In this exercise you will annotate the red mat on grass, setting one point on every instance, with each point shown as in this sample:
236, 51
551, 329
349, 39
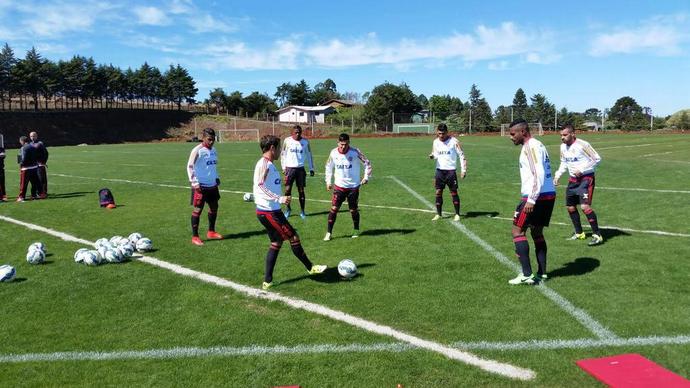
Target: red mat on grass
631, 370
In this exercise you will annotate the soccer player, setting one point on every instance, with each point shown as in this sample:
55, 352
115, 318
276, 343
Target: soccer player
41, 159
295, 151
268, 200
538, 197
580, 159
201, 169
3, 191
447, 150
28, 170
345, 160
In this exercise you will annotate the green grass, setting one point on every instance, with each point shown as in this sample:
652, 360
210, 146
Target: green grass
426, 279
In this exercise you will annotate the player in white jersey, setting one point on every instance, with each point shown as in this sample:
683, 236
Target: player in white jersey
345, 161
447, 150
203, 177
580, 160
536, 206
296, 152
268, 200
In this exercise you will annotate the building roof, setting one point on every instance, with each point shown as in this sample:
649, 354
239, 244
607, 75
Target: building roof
337, 101
306, 108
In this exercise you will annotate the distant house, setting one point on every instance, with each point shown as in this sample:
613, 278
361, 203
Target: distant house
304, 114
339, 103
591, 125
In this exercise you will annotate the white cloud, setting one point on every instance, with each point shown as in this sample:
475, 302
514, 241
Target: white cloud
201, 23
661, 35
151, 16
498, 65
282, 55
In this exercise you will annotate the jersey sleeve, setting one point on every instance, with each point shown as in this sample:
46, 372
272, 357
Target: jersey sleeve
329, 169
282, 154
191, 174
461, 157
367, 164
561, 167
534, 157
593, 156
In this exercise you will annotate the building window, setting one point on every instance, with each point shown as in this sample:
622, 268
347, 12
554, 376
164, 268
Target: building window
301, 113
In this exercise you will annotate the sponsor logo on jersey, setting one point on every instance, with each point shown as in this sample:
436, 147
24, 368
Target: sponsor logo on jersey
343, 166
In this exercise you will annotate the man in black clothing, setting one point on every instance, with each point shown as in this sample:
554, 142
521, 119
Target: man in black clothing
41, 159
28, 170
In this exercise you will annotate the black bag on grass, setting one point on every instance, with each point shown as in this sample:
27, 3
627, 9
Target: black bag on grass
106, 198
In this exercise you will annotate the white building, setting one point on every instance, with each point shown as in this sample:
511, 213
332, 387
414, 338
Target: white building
303, 114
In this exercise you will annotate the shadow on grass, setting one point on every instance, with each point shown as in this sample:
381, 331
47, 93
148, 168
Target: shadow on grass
480, 214
234, 236
579, 266
608, 234
70, 195
380, 232
329, 276
18, 280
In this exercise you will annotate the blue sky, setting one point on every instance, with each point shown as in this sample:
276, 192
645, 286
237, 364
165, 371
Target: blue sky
579, 54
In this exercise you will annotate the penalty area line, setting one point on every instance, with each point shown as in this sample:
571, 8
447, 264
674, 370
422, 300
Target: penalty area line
492, 366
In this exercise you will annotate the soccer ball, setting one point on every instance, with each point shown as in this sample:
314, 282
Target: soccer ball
35, 256
115, 240
91, 258
7, 273
102, 242
144, 244
134, 237
38, 245
79, 255
126, 249
347, 268
113, 256
248, 197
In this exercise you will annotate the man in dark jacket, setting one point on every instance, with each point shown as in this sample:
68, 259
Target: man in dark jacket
28, 170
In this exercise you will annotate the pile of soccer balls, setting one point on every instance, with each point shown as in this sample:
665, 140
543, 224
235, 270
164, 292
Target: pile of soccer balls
36, 254
114, 250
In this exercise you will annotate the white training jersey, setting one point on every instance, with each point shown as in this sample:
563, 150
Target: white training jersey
201, 167
295, 153
447, 153
266, 185
579, 156
535, 171
347, 169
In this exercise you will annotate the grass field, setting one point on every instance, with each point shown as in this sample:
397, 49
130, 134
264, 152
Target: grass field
135, 324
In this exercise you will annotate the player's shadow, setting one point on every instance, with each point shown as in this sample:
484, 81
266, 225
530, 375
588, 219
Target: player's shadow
235, 236
330, 275
310, 214
480, 214
70, 195
608, 234
380, 232
577, 267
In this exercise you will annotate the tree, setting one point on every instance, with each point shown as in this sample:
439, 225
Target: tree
32, 76
7, 62
283, 93
217, 97
541, 110
423, 101
520, 107
386, 99
234, 103
300, 94
592, 114
443, 106
626, 114
257, 103
480, 111
324, 91
501, 116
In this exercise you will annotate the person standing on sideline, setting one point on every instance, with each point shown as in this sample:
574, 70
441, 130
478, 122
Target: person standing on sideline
295, 151
28, 170
41, 159
267, 199
3, 190
203, 177
580, 159
345, 161
536, 206
447, 150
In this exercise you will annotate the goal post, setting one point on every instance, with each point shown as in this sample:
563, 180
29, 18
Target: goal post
534, 128
225, 135
413, 128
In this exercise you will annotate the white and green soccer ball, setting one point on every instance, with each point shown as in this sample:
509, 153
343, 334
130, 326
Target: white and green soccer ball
91, 258
144, 244
248, 197
101, 242
35, 256
38, 245
134, 237
347, 268
79, 255
7, 273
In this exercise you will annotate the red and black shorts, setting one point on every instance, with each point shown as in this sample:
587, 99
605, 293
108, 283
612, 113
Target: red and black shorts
540, 215
277, 226
341, 194
580, 190
297, 175
204, 195
446, 178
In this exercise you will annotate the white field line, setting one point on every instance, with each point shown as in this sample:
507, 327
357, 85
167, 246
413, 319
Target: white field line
659, 232
660, 153
491, 366
627, 146
258, 350
580, 315
662, 233
648, 190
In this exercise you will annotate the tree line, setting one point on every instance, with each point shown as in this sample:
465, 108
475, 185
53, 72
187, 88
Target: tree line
34, 82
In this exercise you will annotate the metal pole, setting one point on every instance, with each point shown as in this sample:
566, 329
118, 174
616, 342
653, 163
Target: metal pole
555, 119
235, 120
470, 130
353, 123
392, 121
195, 135
651, 120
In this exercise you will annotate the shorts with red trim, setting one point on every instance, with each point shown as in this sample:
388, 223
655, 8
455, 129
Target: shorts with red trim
446, 177
540, 215
277, 226
580, 190
204, 195
340, 194
297, 175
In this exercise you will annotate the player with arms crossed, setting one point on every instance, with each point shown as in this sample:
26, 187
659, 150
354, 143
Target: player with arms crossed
203, 177
580, 159
447, 150
295, 151
42, 159
268, 200
345, 160
538, 197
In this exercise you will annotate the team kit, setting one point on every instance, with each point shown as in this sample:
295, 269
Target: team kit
347, 169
